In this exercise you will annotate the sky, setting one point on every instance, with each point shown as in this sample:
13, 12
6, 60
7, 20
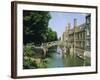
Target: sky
59, 20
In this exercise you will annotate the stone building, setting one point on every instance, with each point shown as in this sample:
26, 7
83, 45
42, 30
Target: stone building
88, 35
79, 40
76, 39
65, 39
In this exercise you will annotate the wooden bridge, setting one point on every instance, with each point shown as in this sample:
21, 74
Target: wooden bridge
50, 44
46, 46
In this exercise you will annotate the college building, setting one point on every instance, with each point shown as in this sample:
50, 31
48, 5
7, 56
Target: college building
78, 39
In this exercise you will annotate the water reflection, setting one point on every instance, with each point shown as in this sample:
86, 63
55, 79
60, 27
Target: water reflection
58, 59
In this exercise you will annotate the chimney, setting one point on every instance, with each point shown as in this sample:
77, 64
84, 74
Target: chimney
75, 22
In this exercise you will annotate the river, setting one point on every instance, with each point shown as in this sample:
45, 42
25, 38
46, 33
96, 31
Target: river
58, 59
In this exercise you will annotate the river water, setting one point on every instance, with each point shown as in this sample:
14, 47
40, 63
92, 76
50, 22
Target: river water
58, 59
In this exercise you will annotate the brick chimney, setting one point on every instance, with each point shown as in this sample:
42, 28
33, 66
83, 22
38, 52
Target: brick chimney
75, 22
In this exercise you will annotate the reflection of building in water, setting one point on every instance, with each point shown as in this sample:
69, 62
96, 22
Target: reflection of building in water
77, 39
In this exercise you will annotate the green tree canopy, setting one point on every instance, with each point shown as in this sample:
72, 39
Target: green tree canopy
35, 27
51, 35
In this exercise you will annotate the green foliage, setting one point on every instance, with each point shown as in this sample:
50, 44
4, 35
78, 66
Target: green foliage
35, 24
51, 35
28, 54
35, 27
29, 64
28, 50
31, 57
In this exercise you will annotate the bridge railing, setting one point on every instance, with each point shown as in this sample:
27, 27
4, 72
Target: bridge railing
50, 44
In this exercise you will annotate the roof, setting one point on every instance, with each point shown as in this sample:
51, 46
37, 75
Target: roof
80, 28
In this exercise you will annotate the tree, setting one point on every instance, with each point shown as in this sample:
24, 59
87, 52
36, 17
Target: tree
51, 35
35, 24
35, 27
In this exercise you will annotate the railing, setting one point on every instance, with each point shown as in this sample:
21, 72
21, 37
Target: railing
50, 44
